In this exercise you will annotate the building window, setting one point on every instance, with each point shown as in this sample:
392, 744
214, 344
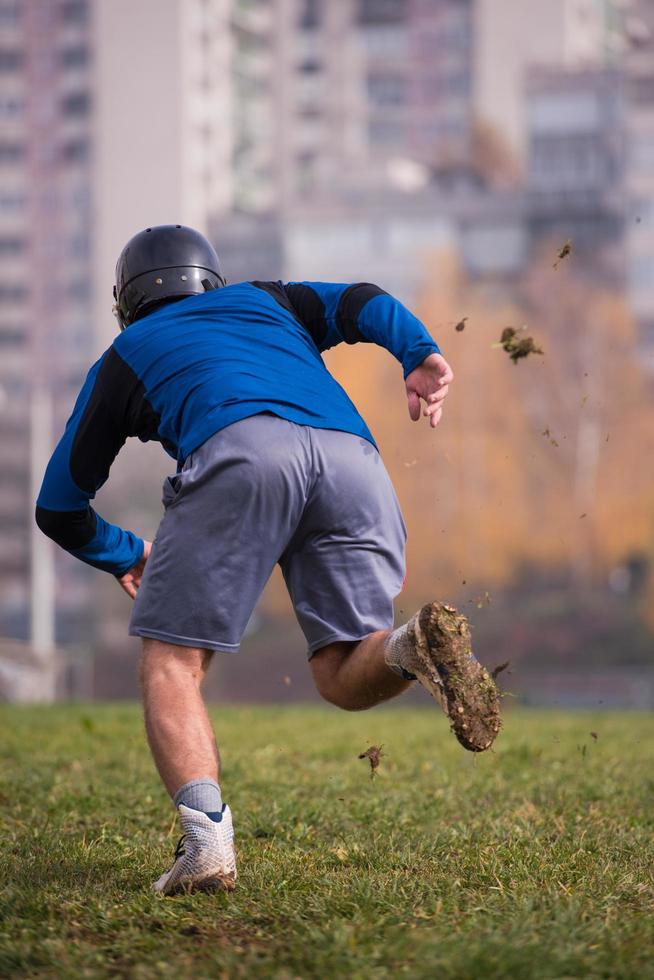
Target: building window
641, 89
10, 293
75, 151
387, 90
386, 40
310, 13
11, 245
11, 152
383, 132
12, 201
74, 11
11, 106
79, 292
13, 336
9, 12
11, 59
76, 104
382, 11
76, 57
79, 246
310, 66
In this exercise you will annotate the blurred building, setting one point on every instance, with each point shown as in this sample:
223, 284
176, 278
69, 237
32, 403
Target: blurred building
512, 36
365, 82
164, 124
46, 103
639, 96
576, 163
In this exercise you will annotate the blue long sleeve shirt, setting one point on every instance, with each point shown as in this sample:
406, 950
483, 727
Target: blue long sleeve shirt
196, 366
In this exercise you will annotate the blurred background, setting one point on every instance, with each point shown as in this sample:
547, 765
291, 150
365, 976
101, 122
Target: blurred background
491, 163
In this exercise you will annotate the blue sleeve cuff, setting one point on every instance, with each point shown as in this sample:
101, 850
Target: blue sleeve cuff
417, 356
112, 549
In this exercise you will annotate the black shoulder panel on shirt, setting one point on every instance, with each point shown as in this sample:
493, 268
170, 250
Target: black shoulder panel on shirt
352, 301
278, 293
117, 408
70, 529
309, 309
303, 303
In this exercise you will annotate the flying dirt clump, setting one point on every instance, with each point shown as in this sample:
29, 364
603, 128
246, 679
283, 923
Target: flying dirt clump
461, 325
548, 435
373, 754
563, 253
517, 346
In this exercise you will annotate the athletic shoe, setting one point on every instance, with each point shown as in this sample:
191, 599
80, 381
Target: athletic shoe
441, 659
204, 858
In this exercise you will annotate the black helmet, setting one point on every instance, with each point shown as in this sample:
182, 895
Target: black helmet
159, 264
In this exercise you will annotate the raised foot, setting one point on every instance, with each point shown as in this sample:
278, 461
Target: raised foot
447, 668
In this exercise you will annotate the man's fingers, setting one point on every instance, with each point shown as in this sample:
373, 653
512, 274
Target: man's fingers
437, 396
128, 586
434, 407
414, 405
435, 418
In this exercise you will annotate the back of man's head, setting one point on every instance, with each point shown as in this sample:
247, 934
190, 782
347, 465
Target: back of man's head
161, 265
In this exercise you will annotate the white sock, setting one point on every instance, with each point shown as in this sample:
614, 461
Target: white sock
397, 652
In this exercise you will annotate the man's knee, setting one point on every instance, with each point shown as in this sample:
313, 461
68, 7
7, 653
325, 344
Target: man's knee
325, 665
171, 663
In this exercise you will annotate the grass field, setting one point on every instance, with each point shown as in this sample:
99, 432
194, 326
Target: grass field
534, 861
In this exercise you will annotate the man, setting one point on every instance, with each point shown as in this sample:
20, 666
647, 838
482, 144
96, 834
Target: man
274, 465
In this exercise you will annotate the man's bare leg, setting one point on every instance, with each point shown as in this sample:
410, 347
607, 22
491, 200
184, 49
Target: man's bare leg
355, 676
434, 647
185, 752
179, 732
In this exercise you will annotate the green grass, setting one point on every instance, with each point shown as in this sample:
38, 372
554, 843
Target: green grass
533, 861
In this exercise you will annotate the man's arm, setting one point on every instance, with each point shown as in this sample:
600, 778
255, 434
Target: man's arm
362, 312
79, 466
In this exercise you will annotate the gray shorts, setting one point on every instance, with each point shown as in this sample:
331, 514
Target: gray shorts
262, 491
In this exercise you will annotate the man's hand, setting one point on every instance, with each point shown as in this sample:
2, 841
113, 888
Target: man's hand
131, 580
429, 381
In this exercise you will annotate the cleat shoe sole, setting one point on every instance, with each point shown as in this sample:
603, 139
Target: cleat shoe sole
444, 664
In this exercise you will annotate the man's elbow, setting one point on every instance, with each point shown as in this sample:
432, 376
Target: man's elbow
70, 529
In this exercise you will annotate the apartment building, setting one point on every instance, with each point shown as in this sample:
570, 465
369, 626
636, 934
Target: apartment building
514, 36
639, 98
46, 111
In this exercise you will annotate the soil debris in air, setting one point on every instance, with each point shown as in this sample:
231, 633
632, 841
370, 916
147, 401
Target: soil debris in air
461, 325
563, 253
548, 435
517, 346
594, 735
500, 667
373, 755
483, 600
